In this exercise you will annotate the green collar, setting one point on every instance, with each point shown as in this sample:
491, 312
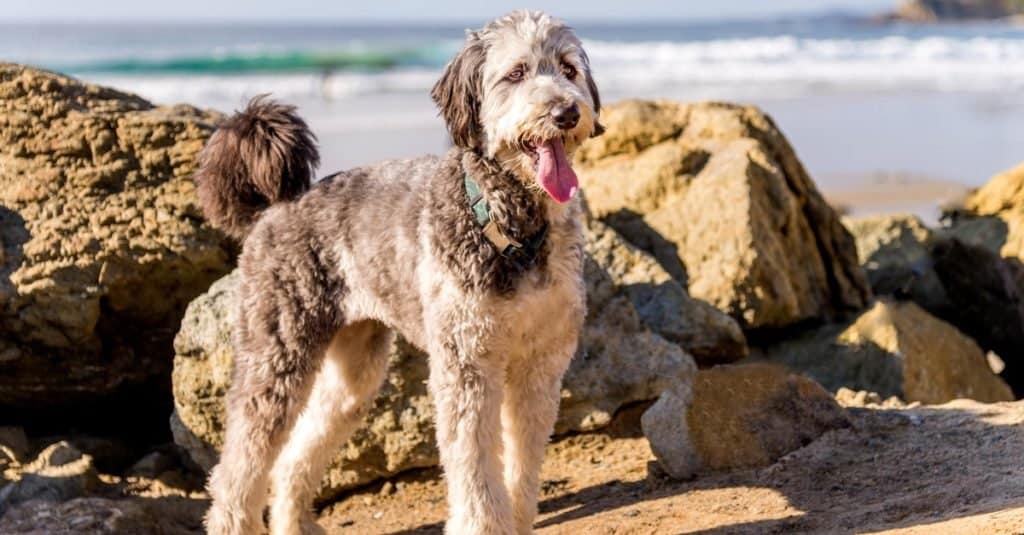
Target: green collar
522, 254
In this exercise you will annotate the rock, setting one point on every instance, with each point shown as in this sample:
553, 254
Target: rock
153, 464
96, 516
59, 473
895, 349
739, 416
994, 215
954, 274
663, 305
717, 194
952, 10
13, 446
896, 253
987, 296
621, 361
102, 239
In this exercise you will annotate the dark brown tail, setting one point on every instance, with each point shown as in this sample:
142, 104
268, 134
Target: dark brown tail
259, 156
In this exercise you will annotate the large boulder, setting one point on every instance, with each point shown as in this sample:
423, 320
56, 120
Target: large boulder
895, 349
739, 416
102, 243
622, 360
717, 194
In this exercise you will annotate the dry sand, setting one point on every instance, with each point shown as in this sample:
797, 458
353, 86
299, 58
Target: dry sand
936, 470
950, 469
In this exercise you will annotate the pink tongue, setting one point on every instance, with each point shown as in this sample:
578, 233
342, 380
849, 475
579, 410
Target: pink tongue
554, 171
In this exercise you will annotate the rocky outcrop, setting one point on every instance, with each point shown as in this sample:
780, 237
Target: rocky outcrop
102, 244
895, 349
952, 10
717, 194
622, 360
740, 416
956, 273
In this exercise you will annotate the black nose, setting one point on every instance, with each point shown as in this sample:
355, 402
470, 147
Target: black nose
566, 117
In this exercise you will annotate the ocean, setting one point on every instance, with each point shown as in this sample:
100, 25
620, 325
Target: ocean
868, 107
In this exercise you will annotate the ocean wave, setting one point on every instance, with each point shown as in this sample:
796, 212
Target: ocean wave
931, 62
265, 61
723, 68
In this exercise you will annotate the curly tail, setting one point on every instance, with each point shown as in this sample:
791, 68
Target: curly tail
259, 156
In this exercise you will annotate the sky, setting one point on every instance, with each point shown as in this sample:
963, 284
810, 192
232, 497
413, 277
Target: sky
412, 11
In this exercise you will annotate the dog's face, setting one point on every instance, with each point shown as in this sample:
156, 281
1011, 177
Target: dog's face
521, 92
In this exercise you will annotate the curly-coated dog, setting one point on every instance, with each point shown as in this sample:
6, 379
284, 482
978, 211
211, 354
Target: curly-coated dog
475, 256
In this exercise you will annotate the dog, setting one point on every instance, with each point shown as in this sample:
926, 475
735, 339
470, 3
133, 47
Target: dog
475, 256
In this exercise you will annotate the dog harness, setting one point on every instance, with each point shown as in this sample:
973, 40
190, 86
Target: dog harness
522, 254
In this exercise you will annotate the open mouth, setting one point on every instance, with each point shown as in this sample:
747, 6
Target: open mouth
554, 173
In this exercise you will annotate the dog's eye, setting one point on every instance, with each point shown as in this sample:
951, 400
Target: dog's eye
569, 71
516, 74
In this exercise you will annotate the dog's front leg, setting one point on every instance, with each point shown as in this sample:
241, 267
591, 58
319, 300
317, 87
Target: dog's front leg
466, 382
528, 414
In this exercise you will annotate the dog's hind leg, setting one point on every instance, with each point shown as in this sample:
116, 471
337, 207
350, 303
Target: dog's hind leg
286, 321
353, 370
528, 413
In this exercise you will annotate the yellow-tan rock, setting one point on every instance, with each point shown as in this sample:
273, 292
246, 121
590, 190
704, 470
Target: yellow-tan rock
896, 349
716, 193
995, 215
737, 416
102, 244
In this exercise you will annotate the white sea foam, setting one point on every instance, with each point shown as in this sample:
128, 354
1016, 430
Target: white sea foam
725, 68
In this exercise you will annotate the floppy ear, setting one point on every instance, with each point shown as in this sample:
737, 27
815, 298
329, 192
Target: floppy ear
457, 93
592, 87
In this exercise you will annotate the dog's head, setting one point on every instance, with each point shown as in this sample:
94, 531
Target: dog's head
520, 91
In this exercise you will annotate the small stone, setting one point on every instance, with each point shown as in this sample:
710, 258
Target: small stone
13, 444
152, 464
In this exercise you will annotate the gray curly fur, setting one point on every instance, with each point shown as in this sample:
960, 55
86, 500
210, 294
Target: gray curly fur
330, 271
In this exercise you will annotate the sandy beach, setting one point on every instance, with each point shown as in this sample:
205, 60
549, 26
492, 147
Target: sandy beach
756, 353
